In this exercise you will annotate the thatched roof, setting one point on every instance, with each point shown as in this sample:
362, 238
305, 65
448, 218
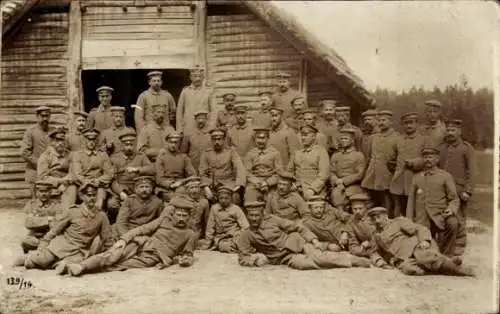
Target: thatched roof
13, 11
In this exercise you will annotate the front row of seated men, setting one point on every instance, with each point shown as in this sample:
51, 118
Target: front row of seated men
148, 233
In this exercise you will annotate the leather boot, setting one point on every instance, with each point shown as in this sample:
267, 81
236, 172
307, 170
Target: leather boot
450, 268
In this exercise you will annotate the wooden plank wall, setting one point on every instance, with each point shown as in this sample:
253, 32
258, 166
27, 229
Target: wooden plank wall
33, 73
139, 38
244, 56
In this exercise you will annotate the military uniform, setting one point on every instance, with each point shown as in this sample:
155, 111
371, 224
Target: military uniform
436, 132
74, 137
295, 121
283, 99
100, 117
200, 209
291, 206
124, 180
285, 140
152, 139
171, 167
241, 136
226, 117
262, 119
224, 167
330, 130
366, 139
110, 137
196, 142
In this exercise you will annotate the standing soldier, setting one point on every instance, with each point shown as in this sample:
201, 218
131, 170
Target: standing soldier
221, 164
263, 118
433, 202
310, 118
346, 170
284, 94
193, 98
143, 113
100, 118
434, 127
310, 165
92, 165
109, 139
383, 152
296, 118
53, 166
281, 137
262, 164
172, 166
226, 118
408, 161
240, 135
343, 115
74, 137
284, 202
370, 127
458, 158
328, 125
152, 138
199, 140
35, 141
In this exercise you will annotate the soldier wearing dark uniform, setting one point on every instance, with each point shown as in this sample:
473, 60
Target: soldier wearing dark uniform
343, 114
240, 135
263, 118
199, 140
41, 213
143, 113
100, 117
433, 202
74, 137
284, 202
458, 158
226, 118
284, 94
310, 118
410, 247
328, 125
35, 141
153, 136
296, 119
281, 137
434, 127
370, 127
109, 139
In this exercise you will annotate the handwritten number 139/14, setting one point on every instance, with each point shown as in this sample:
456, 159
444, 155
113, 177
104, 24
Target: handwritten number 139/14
19, 281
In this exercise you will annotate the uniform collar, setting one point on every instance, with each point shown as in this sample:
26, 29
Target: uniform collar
241, 127
456, 143
308, 149
156, 93
388, 132
348, 150
434, 126
411, 135
90, 152
127, 157
192, 87
279, 128
262, 151
431, 171
102, 108
87, 212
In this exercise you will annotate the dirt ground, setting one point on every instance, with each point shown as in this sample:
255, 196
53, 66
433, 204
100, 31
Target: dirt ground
216, 284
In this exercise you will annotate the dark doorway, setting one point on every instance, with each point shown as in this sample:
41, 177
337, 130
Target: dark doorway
128, 84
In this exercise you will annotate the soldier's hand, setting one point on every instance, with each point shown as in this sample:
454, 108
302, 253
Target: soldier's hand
424, 245
333, 247
175, 185
43, 244
208, 193
344, 239
365, 244
62, 188
316, 243
386, 266
120, 244
464, 196
186, 260
308, 194
109, 145
123, 196
339, 182
447, 213
408, 163
260, 260
204, 244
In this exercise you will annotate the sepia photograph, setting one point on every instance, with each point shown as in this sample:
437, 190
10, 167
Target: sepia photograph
237, 156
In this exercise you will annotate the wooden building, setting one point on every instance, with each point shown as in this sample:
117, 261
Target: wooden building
56, 52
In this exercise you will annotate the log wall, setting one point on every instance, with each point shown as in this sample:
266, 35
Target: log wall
34, 66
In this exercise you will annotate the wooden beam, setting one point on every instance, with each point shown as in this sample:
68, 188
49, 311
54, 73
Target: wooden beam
200, 24
75, 57
304, 68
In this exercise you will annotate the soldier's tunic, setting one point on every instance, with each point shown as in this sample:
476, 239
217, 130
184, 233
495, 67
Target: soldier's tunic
136, 212
284, 100
261, 165
87, 165
225, 119
241, 138
435, 132
431, 192
144, 111
366, 142
171, 167
285, 140
286, 242
152, 138
295, 121
330, 129
311, 167
123, 180
362, 231
100, 118
37, 221
200, 208
191, 100
111, 135
224, 227
223, 167
262, 119
291, 206
75, 140
349, 166
195, 144
34, 143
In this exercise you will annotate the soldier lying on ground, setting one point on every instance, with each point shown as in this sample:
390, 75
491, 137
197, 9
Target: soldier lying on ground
159, 243
82, 231
41, 213
284, 202
410, 247
275, 240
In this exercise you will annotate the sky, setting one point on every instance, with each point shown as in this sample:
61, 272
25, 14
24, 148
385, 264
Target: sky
397, 45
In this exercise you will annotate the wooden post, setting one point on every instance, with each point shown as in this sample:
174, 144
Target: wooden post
303, 76
75, 57
200, 23
1, 48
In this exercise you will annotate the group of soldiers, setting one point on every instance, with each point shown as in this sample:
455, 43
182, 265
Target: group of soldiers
293, 186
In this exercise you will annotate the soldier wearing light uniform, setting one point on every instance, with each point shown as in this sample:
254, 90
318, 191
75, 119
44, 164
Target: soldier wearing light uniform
199, 140
263, 118
152, 138
284, 94
284, 202
434, 127
193, 98
281, 137
143, 113
100, 118
74, 137
328, 125
240, 135
226, 118
109, 139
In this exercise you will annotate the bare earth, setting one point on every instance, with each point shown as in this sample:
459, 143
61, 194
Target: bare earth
217, 284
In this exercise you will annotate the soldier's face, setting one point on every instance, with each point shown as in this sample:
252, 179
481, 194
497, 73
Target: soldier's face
254, 217
384, 122
180, 217
43, 194
369, 121
241, 117
432, 113
218, 142
261, 140
155, 82
193, 190
317, 210
88, 196
196, 78
80, 123
342, 117
91, 143
283, 187
128, 145
410, 126
44, 118
159, 115
173, 144
104, 98
118, 119
309, 119
379, 220
298, 105
308, 138
265, 101
144, 189
453, 133
430, 160
229, 102
225, 199
328, 111
284, 84
201, 120
59, 143
275, 118
345, 141
358, 209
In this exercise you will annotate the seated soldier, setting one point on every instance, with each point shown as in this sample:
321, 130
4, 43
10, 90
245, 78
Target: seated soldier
160, 243
110, 138
190, 192
262, 164
363, 230
128, 164
152, 136
90, 164
82, 231
274, 240
284, 202
138, 209
53, 165
409, 246
346, 170
41, 213
225, 223
172, 166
